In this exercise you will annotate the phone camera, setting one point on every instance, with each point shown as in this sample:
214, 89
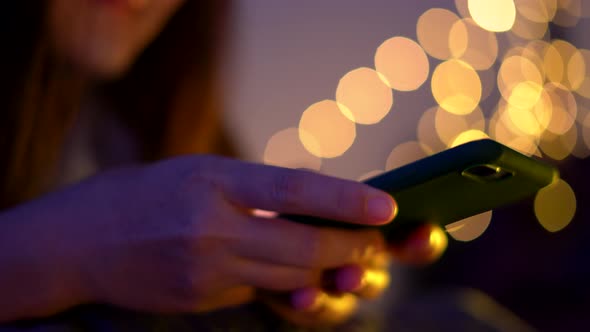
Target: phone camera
487, 173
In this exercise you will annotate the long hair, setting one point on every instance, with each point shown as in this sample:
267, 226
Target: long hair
168, 99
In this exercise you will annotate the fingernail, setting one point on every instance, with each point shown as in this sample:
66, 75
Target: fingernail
349, 278
307, 299
381, 208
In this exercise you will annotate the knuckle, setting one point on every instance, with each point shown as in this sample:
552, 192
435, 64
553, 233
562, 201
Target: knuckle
287, 189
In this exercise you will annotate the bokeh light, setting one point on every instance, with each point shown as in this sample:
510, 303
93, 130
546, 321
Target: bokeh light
564, 109
526, 29
456, 86
540, 11
403, 63
469, 136
363, 94
433, 29
448, 125
496, 16
427, 134
502, 129
472, 44
285, 149
519, 75
555, 206
406, 153
325, 131
469, 228
584, 88
565, 65
559, 147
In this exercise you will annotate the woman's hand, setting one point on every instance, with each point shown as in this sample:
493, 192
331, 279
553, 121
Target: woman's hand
178, 236
337, 299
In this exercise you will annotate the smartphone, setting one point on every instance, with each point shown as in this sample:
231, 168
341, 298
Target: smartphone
455, 184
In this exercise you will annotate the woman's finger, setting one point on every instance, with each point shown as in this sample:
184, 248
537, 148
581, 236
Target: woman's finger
313, 307
283, 242
274, 277
365, 282
424, 245
304, 193
228, 298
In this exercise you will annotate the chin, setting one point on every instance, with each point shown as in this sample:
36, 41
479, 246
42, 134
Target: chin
106, 67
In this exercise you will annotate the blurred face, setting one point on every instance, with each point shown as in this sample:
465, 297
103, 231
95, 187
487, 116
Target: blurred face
104, 37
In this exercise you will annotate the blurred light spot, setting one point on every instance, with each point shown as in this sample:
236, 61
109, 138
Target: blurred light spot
568, 13
325, 131
370, 174
564, 108
534, 51
472, 44
515, 71
364, 95
468, 136
456, 86
433, 30
559, 147
527, 29
469, 228
555, 206
285, 149
503, 130
406, 153
427, 134
341, 307
531, 119
540, 11
496, 16
449, 126
525, 95
403, 63
584, 88
565, 66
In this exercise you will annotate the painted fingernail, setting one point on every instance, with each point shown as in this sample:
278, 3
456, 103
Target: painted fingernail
307, 299
349, 278
381, 208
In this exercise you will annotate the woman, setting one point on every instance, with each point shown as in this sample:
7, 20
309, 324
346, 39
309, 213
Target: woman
146, 231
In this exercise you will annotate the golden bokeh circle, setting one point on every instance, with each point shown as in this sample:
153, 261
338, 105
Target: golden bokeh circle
469, 136
448, 125
555, 206
427, 134
495, 16
456, 86
406, 153
539, 11
325, 131
433, 29
472, 44
285, 149
470, 228
403, 63
363, 96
